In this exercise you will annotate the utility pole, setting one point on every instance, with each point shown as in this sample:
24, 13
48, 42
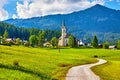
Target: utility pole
59, 49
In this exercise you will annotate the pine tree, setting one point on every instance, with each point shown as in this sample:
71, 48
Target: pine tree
95, 42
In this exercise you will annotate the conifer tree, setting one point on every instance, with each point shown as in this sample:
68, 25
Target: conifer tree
95, 42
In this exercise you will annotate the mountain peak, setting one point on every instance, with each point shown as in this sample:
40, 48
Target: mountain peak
99, 6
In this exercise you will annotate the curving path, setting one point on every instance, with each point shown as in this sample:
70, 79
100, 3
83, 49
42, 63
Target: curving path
83, 72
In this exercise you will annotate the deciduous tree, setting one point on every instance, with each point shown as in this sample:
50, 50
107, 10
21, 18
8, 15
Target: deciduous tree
106, 45
118, 45
18, 41
41, 38
5, 34
54, 42
71, 41
33, 40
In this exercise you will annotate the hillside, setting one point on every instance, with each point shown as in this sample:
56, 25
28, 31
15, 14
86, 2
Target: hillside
97, 20
25, 33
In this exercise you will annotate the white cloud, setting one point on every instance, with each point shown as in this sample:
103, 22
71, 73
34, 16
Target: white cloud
34, 8
3, 13
14, 16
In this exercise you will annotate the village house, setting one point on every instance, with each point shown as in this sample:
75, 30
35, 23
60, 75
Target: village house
47, 44
9, 40
80, 43
112, 46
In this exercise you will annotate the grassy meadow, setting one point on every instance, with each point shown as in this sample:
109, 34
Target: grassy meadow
49, 64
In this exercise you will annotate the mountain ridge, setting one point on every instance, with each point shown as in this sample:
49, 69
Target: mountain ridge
96, 19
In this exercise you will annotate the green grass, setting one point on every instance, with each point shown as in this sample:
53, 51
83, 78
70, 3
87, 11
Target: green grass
47, 64
15, 75
42, 61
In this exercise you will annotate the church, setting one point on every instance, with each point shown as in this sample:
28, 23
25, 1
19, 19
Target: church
63, 40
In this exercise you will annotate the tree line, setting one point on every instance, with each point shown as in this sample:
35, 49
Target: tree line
104, 45
24, 33
37, 37
34, 36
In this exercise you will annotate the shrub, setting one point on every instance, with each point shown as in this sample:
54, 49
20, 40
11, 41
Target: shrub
9, 43
16, 63
95, 56
26, 44
106, 45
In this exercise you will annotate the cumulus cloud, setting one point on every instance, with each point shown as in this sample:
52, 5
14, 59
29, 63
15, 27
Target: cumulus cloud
3, 12
34, 8
14, 16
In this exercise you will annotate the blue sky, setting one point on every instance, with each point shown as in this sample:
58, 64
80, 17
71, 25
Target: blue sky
34, 8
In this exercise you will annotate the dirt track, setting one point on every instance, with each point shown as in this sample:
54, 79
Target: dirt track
83, 72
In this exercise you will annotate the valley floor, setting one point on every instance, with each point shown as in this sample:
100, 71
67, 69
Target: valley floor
28, 63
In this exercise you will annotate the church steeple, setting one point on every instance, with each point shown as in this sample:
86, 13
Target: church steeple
63, 23
63, 29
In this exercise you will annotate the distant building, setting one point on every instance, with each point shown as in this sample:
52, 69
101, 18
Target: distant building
9, 40
24, 41
112, 47
81, 43
63, 40
47, 44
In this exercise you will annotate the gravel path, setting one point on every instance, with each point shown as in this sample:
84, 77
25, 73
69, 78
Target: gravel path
83, 72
